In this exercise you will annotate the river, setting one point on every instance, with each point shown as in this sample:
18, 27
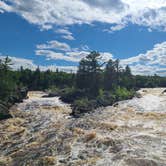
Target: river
42, 133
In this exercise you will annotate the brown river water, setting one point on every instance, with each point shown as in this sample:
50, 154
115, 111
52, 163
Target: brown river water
41, 133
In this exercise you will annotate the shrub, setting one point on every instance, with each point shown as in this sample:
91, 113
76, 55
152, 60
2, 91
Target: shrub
69, 95
123, 94
105, 98
82, 106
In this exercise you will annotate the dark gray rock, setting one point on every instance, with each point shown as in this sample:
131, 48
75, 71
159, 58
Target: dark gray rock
138, 95
4, 112
141, 162
164, 91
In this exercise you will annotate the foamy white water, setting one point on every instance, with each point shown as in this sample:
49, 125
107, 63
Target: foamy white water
43, 133
148, 103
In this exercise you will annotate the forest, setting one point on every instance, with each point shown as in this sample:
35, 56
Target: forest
95, 84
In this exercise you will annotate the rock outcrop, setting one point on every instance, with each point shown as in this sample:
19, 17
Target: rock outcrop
4, 111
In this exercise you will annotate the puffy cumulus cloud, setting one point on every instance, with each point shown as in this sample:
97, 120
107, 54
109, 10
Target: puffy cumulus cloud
49, 12
52, 55
148, 70
151, 62
116, 5
55, 50
46, 13
156, 56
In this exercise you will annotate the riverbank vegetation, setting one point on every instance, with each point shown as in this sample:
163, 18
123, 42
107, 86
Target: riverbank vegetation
94, 85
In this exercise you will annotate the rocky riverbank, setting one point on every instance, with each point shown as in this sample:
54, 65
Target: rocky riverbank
16, 96
132, 133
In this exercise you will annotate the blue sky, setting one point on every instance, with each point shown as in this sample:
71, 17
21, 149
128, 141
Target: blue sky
57, 34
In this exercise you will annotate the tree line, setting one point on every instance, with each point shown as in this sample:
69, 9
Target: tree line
95, 83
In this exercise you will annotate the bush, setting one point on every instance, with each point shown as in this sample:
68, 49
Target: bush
82, 106
69, 95
105, 98
123, 94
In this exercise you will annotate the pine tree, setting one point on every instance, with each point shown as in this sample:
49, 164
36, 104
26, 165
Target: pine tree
88, 75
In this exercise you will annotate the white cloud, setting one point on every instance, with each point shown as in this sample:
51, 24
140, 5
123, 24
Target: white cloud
68, 37
46, 13
29, 64
4, 7
18, 62
156, 56
54, 44
116, 5
117, 27
151, 62
71, 56
55, 50
66, 34
52, 55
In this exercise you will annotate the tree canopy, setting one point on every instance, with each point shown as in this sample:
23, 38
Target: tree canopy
95, 83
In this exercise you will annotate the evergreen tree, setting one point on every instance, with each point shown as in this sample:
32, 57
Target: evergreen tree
127, 78
37, 79
109, 75
88, 75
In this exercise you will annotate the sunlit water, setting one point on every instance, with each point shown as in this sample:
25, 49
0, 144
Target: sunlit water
42, 133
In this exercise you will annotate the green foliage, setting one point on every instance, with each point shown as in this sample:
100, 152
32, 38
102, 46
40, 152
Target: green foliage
10, 92
105, 98
123, 94
88, 75
83, 105
94, 85
71, 94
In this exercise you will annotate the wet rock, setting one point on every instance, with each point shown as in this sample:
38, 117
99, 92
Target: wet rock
138, 95
141, 162
116, 104
4, 111
47, 160
113, 145
5, 161
90, 136
50, 95
164, 92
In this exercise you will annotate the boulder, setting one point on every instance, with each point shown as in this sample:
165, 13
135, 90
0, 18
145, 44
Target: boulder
4, 111
141, 162
164, 91
138, 95
52, 94
116, 104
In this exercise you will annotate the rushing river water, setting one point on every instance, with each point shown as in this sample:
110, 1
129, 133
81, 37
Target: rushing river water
42, 133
